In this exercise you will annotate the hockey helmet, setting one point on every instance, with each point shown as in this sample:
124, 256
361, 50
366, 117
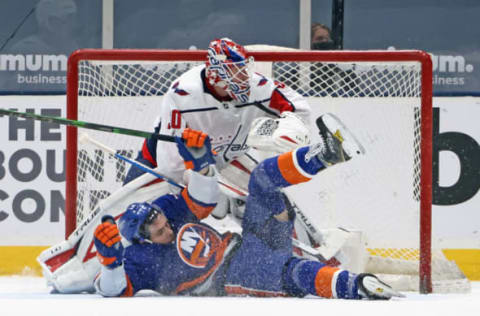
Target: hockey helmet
133, 223
228, 67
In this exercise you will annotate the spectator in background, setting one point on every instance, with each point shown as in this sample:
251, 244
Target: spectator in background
321, 37
56, 20
322, 76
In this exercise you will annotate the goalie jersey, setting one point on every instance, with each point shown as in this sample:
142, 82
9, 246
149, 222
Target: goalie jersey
191, 102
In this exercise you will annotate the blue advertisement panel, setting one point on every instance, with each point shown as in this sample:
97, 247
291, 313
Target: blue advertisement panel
37, 36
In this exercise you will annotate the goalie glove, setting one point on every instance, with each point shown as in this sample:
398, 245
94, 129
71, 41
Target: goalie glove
108, 243
278, 135
195, 149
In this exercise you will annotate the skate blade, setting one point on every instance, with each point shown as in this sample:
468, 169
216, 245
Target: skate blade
380, 289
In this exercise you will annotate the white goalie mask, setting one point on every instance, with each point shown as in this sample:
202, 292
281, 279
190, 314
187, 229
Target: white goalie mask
228, 67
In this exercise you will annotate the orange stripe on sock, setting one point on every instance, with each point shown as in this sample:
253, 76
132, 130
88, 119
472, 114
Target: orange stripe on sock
288, 169
323, 281
198, 210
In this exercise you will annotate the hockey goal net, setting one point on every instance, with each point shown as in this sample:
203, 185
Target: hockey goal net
383, 96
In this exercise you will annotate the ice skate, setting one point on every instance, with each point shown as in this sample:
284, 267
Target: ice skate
370, 287
339, 144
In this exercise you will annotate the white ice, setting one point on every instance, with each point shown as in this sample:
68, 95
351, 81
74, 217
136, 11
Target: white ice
22, 295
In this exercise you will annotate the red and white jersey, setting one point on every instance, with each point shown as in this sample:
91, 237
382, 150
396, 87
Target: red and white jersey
190, 103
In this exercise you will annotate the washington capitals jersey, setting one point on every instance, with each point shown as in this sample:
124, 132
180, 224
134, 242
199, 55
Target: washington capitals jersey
189, 102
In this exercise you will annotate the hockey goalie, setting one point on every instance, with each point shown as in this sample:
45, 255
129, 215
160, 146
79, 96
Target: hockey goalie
248, 117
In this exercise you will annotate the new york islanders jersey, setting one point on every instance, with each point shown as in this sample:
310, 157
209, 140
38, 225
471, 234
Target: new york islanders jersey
184, 266
202, 261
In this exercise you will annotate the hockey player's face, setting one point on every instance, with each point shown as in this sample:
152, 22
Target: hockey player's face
160, 230
238, 74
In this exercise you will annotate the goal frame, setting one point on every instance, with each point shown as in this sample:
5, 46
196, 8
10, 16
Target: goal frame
421, 57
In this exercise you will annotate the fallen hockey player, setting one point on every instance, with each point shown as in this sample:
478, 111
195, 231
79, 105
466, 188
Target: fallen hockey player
173, 253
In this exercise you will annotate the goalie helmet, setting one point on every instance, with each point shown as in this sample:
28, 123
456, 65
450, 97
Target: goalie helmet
132, 224
229, 68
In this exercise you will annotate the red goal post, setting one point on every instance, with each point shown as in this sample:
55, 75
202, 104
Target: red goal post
92, 79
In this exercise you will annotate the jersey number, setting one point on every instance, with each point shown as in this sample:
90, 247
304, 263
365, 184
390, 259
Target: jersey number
176, 119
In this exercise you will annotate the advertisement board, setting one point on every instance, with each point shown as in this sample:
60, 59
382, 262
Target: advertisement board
32, 173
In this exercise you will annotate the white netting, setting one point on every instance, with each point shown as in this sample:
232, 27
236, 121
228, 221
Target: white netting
379, 101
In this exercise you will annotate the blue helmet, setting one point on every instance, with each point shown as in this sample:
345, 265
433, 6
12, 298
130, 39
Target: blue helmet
132, 223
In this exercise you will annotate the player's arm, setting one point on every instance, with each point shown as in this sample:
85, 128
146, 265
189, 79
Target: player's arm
285, 99
201, 193
113, 280
281, 98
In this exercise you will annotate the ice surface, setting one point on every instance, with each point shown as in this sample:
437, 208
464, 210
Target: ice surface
22, 295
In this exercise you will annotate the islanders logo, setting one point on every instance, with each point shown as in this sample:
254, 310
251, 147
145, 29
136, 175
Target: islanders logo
196, 244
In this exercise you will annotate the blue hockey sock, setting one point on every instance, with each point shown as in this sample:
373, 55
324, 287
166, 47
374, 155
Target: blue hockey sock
304, 277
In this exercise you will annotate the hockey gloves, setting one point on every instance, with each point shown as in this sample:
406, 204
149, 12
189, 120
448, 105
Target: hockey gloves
195, 149
107, 241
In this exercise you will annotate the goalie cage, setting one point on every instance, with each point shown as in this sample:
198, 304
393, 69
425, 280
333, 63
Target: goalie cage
385, 97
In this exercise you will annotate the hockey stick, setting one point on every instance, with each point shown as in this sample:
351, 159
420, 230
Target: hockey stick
88, 125
310, 250
84, 138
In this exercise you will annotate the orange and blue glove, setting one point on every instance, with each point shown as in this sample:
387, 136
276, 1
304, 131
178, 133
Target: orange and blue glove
108, 243
195, 149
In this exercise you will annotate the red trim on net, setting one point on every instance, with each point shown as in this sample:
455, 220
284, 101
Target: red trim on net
426, 177
71, 156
